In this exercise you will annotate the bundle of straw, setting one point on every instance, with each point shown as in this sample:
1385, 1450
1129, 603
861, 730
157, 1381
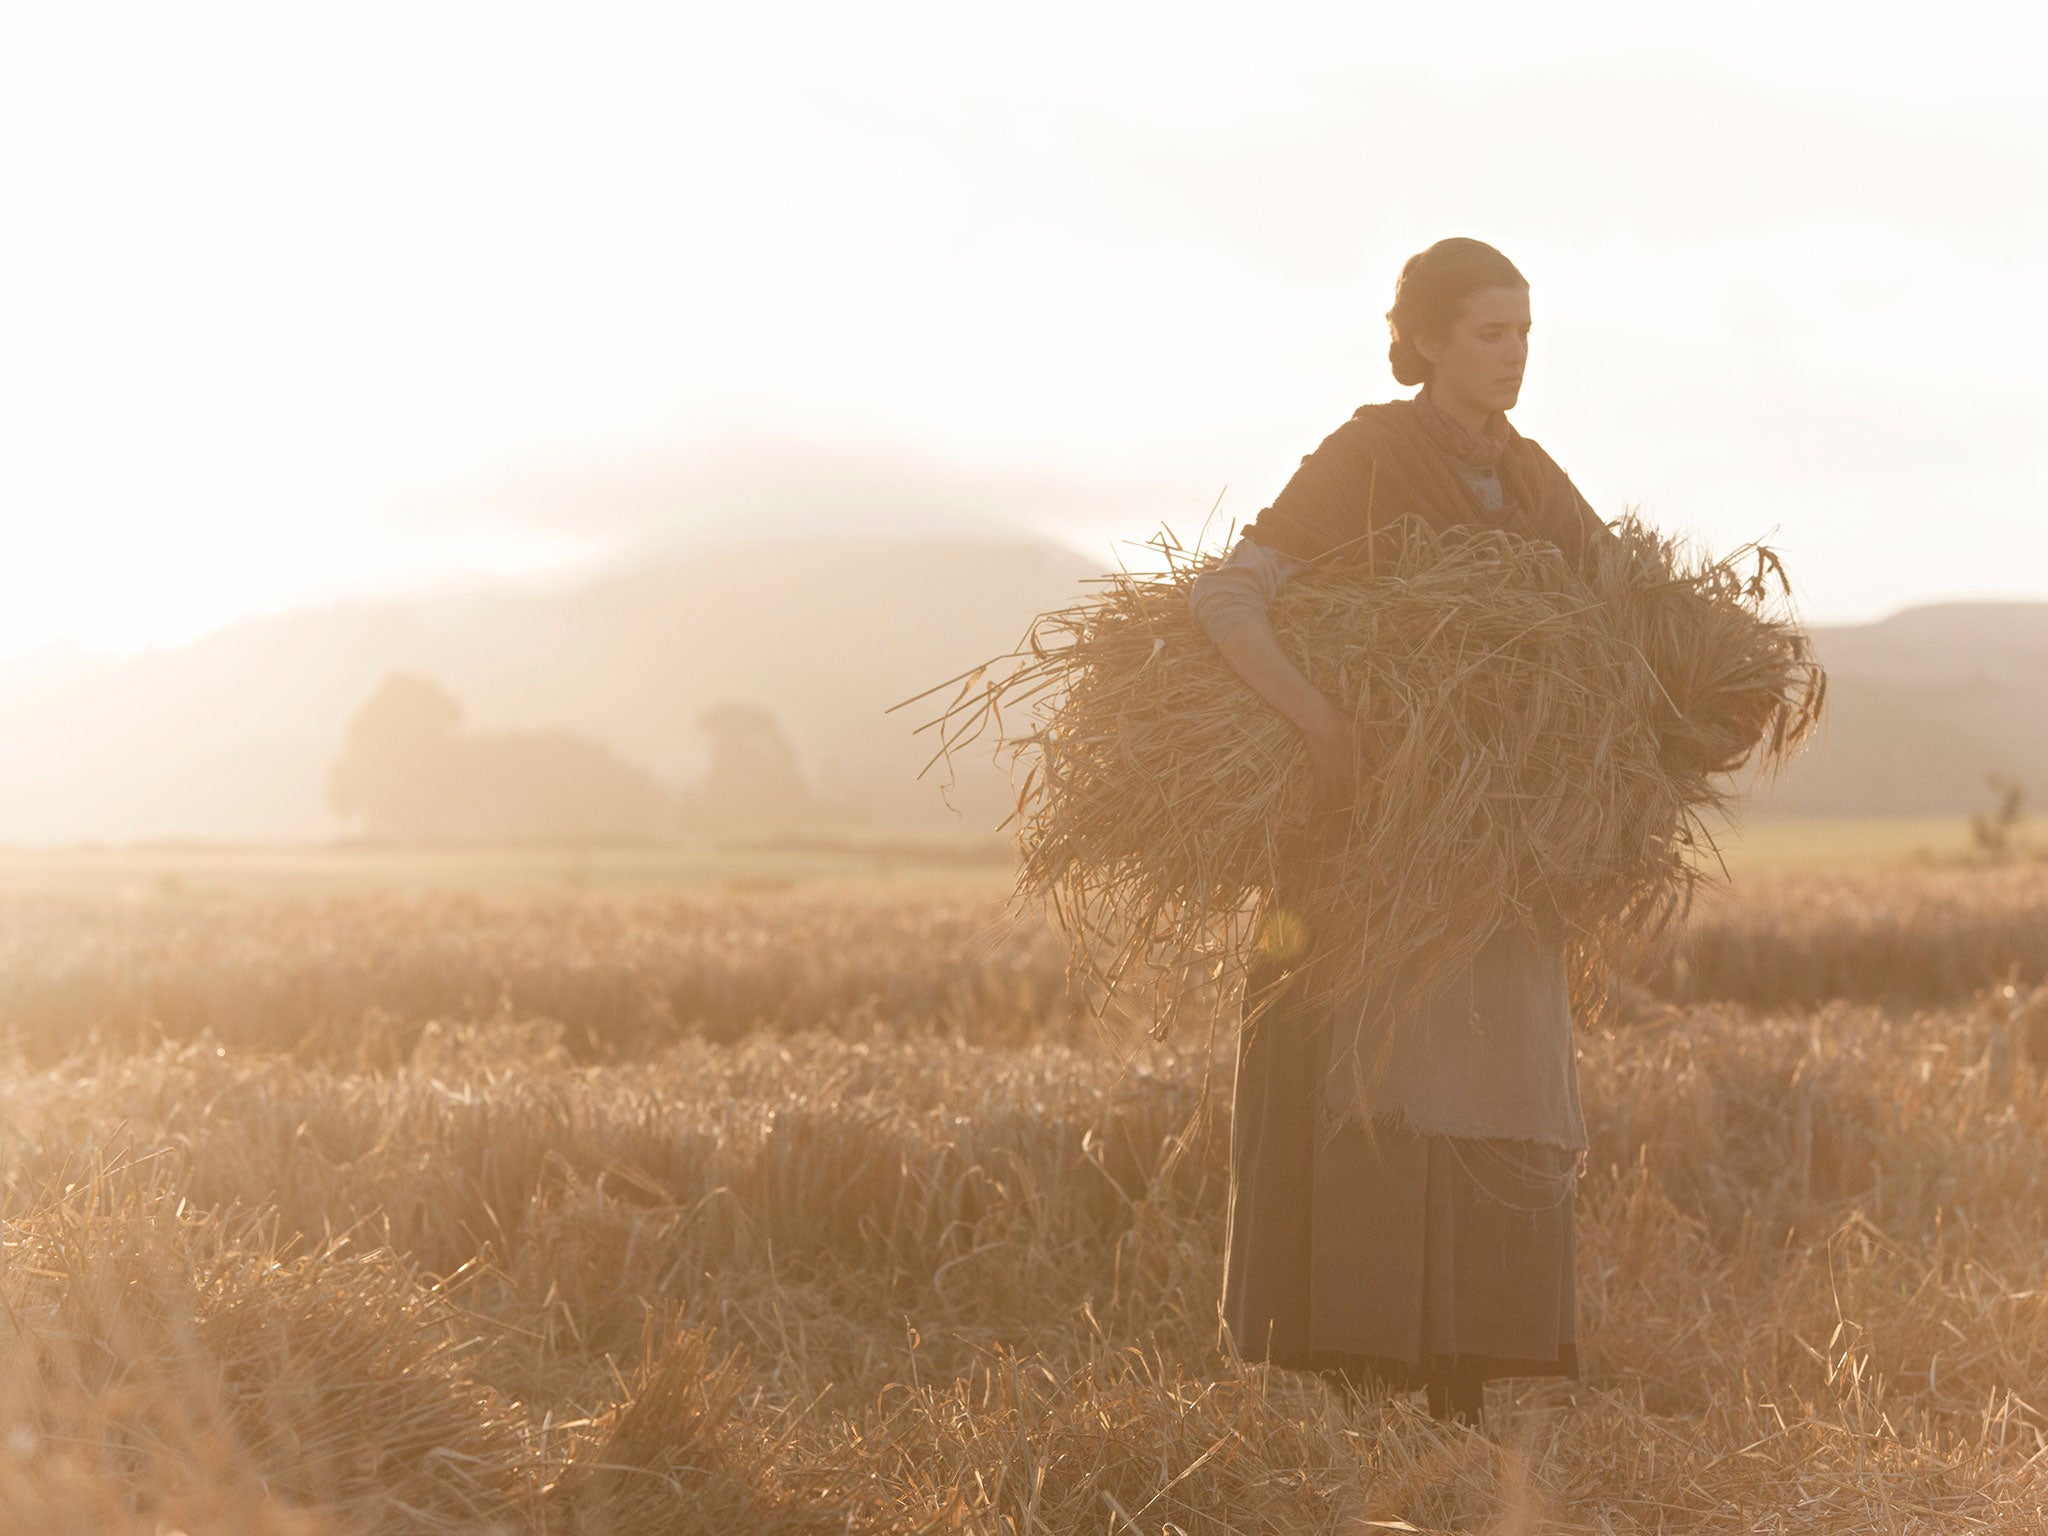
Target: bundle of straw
1538, 745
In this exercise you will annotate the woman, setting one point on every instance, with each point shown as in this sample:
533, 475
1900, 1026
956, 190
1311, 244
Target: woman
1412, 1225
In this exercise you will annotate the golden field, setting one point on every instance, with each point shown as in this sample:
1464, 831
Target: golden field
617, 1207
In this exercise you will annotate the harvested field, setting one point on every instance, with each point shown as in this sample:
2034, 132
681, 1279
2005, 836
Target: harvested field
354, 978
1901, 937
793, 1215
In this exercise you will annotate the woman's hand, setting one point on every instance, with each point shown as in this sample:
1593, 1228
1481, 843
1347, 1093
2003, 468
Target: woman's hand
1332, 760
1749, 713
1255, 655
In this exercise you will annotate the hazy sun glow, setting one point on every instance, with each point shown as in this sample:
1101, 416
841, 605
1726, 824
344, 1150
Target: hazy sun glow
295, 302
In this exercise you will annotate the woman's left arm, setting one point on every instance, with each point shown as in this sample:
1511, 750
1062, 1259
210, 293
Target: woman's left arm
1595, 534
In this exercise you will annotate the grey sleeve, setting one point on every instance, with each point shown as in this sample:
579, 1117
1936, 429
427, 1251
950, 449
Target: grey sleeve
1229, 596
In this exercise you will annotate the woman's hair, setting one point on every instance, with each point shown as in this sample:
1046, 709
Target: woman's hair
1431, 294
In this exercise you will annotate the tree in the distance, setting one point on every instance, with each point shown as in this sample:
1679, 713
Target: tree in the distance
412, 776
399, 766
754, 782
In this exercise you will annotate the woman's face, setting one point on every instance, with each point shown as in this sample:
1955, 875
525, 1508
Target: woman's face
1479, 364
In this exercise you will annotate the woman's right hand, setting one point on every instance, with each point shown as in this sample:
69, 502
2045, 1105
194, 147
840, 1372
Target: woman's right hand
1254, 654
1333, 761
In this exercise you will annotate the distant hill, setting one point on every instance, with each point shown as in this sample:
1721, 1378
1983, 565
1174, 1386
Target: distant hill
233, 736
1921, 706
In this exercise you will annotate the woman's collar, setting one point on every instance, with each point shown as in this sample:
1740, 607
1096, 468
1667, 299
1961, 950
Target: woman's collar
1483, 448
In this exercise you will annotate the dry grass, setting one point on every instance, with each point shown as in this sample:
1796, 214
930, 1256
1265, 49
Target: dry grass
1538, 747
357, 979
903, 1279
1912, 937
370, 981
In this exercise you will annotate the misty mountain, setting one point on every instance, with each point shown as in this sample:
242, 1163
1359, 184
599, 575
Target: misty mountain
235, 735
1921, 706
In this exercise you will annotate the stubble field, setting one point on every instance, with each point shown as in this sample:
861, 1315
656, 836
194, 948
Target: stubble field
726, 1212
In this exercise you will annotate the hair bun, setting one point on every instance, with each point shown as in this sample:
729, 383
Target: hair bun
1410, 366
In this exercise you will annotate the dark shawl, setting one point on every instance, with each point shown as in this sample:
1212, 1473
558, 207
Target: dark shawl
1382, 465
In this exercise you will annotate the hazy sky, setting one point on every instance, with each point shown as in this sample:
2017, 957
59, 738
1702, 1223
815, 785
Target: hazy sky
305, 301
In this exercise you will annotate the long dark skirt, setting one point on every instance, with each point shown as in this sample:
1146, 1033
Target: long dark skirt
1378, 1252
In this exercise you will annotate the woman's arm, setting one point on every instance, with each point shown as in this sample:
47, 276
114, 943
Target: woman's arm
1229, 601
1255, 655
